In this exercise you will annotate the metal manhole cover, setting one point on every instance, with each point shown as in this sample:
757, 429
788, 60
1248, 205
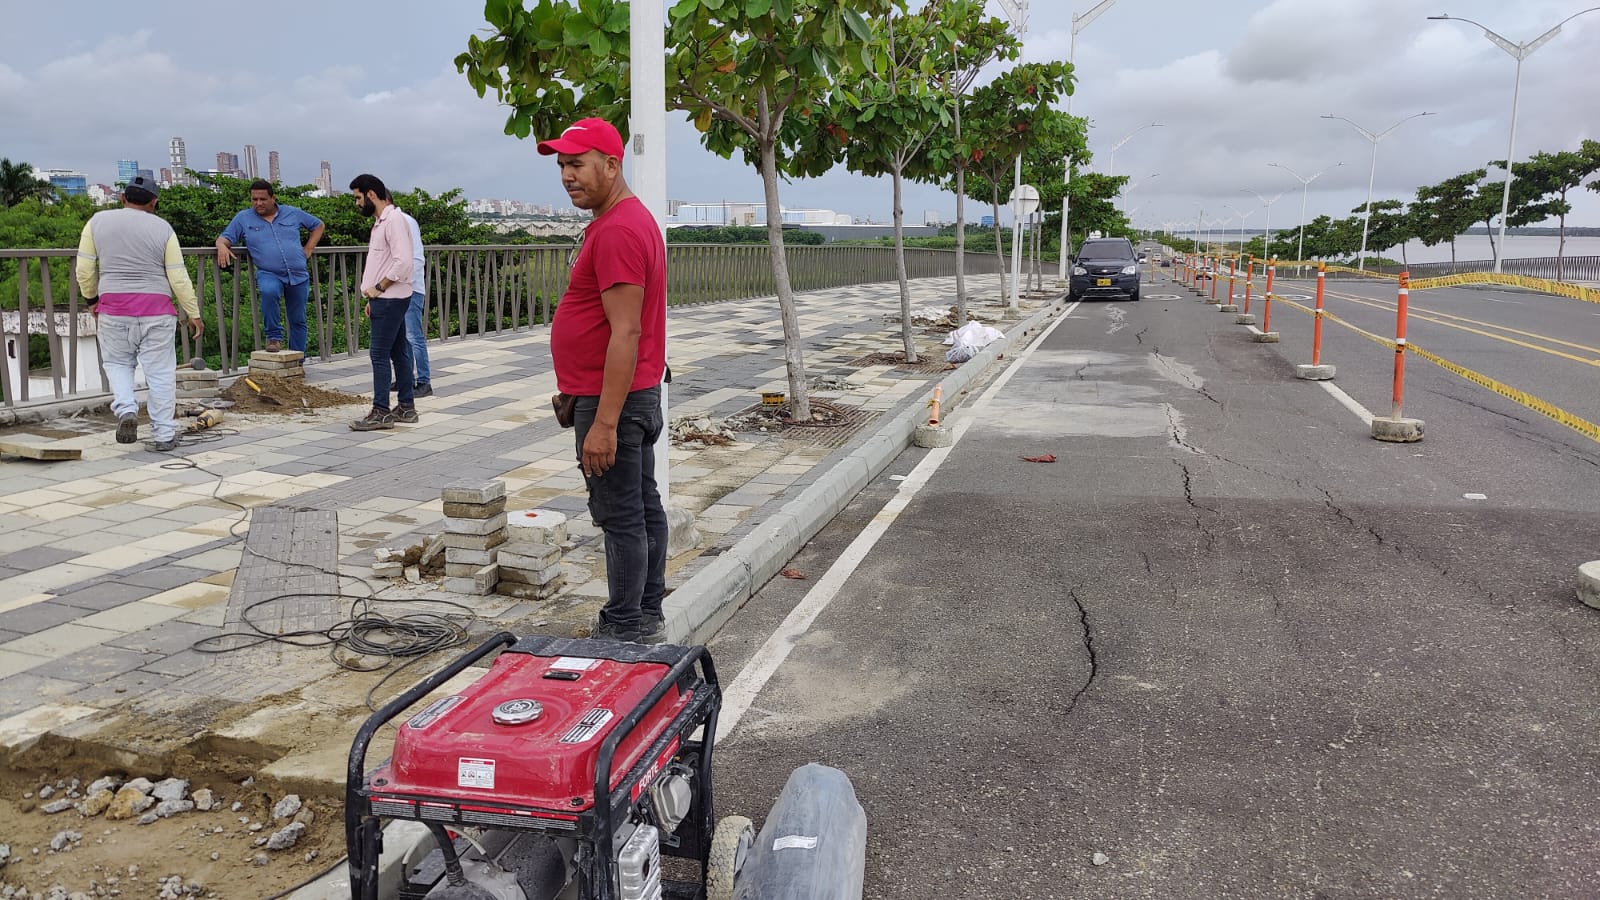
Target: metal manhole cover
929, 363
837, 424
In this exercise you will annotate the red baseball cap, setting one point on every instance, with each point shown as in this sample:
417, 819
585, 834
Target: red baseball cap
585, 135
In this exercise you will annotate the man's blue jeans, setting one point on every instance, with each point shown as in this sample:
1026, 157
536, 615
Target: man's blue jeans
274, 289
417, 334
391, 352
626, 505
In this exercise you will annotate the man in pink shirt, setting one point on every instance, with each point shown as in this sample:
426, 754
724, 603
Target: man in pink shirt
386, 283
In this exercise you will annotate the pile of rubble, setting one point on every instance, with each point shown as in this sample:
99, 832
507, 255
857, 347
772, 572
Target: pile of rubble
119, 801
700, 432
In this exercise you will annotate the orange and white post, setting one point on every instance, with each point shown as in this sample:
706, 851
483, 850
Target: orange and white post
1214, 263
933, 405
1266, 298
1316, 319
1249, 282
1400, 344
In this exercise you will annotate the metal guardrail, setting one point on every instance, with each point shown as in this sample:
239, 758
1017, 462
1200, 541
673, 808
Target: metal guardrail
471, 289
1571, 268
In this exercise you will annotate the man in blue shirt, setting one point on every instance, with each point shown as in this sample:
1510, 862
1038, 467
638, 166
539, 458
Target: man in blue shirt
271, 232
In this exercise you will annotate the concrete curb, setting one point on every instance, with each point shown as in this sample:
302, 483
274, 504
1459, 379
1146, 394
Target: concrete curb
704, 602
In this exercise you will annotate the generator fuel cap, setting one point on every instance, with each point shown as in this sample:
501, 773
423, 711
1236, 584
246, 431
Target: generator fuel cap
517, 712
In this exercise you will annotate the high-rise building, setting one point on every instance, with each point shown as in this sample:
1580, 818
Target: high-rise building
146, 174
127, 170
273, 175
66, 182
227, 163
178, 156
166, 177
325, 179
250, 170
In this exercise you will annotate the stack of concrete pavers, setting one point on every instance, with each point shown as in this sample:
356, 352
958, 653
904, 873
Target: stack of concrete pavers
474, 530
282, 364
530, 562
198, 384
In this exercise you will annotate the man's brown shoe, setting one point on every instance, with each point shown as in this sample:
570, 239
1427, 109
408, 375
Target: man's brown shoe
274, 346
375, 420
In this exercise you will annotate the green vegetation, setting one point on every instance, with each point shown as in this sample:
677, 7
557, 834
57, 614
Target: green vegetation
736, 234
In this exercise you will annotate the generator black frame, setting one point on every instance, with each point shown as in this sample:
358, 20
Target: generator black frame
595, 827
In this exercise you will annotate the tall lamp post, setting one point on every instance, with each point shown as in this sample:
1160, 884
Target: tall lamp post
1079, 23
1366, 218
1266, 244
1111, 163
1305, 188
1519, 52
1017, 10
1242, 216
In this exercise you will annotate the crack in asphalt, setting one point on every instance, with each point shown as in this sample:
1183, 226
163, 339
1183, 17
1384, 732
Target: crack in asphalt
1188, 497
1196, 386
1139, 335
1078, 373
1526, 431
1088, 646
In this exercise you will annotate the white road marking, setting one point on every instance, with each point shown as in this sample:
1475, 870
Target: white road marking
743, 690
1348, 402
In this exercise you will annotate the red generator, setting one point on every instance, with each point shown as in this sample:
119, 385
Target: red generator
565, 773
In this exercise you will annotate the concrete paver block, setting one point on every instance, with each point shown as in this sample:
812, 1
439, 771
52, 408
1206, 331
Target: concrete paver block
483, 492
931, 436
492, 524
1246, 319
488, 510
488, 541
1228, 308
546, 575
1314, 373
526, 555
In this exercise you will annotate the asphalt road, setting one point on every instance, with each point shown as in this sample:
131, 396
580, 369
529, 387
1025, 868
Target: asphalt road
1226, 640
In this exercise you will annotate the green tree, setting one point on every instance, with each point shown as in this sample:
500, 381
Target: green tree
979, 40
19, 184
889, 118
1391, 226
1002, 117
750, 74
1444, 210
1550, 176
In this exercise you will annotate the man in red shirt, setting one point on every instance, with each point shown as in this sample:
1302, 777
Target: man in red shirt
609, 346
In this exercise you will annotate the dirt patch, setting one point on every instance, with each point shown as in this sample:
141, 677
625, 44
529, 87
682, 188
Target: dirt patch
221, 852
285, 395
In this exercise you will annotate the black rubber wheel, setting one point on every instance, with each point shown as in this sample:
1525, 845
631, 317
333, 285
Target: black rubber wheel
730, 847
1134, 296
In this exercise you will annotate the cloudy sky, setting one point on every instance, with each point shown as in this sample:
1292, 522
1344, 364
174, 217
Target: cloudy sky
1235, 84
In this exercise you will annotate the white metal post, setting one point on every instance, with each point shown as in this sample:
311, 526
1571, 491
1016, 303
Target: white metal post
647, 116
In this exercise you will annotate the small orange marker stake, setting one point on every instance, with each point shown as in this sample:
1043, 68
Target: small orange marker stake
938, 394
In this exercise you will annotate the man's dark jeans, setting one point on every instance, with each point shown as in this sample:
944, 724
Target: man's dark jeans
626, 505
391, 352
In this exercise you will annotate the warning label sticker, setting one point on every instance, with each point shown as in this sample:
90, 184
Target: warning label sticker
474, 773
574, 663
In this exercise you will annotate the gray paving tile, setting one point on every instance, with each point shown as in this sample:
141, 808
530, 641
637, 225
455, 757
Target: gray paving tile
93, 664
36, 617
120, 687
186, 662
26, 690
167, 638
33, 558
105, 595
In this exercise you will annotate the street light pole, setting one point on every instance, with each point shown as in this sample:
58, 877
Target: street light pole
1519, 52
1111, 163
1079, 23
1018, 12
1366, 218
1305, 188
1242, 217
1266, 244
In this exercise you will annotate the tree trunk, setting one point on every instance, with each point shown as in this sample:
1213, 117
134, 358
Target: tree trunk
1561, 244
1452, 256
1487, 226
906, 338
999, 244
793, 350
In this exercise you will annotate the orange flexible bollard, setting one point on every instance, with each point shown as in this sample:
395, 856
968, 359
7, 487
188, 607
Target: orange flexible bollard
1233, 263
1214, 262
1400, 343
1266, 300
938, 394
1249, 282
1316, 326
